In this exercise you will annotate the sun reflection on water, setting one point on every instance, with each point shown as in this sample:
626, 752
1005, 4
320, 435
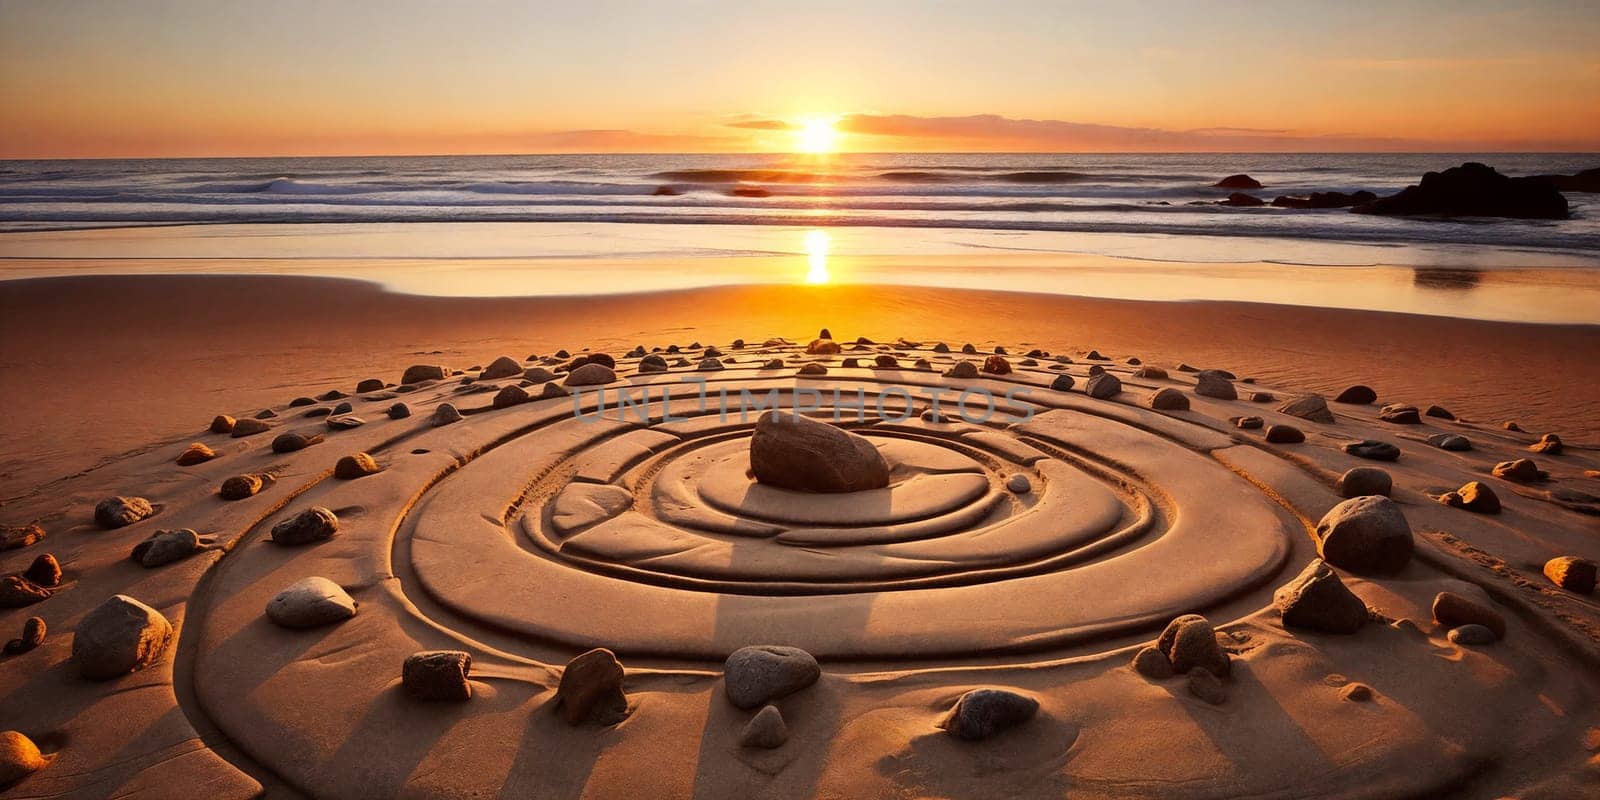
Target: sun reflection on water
817, 256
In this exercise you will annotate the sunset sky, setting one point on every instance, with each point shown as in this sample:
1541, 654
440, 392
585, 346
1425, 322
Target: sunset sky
291, 77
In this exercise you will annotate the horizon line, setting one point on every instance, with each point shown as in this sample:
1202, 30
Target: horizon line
825, 156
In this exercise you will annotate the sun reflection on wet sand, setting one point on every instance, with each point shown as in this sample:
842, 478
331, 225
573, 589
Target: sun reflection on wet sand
817, 256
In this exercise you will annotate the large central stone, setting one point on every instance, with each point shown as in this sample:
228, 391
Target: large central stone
792, 452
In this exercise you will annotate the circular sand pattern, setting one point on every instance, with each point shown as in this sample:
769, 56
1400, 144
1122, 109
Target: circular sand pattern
639, 528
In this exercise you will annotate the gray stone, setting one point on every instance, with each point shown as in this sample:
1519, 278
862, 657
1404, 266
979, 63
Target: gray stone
1285, 434
591, 375
766, 730
502, 367
309, 603
1373, 449
1210, 384
120, 636
1362, 481
1018, 483
417, 373
165, 547
1168, 399
756, 675
444, 414
438, 675
982, 713
1316, 599
1190, 642
1472, 634
1365, 535
120, 512
1152, 663
1450, 441
591, 690
1310, 407
314, 524
793, 452
1103, 386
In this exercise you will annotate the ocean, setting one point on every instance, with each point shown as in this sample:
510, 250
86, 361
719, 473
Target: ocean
1122, 193
512, 225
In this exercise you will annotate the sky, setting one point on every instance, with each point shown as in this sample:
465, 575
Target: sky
169, 78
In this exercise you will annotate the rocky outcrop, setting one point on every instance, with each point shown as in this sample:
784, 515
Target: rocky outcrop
1473, 190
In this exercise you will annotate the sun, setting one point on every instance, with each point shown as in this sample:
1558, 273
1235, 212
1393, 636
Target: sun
817, 135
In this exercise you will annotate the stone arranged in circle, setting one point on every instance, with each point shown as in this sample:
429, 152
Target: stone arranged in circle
1168, 399
1310, 407
1473, 496
44, 571
509, 396
196, 453
120, 512
1152, 663
502, 367
1472, 634
1438, 411
591, 375
1357, 395
290, 442
1318, 600
445, 414
983, 713
962, 369
756, 675
1452, 610
793, 452
33, 632
355, 465
1571, 573
240, 487
1284, 434
1549, 444
591, 690
766, 730
1103, 386
417, 373
996, 365
166, 547
1211, 384
1400, 415
248, 428
1362, 481
120, 636
1450, 441
437, 676
309, 603
315, 524
1189, 642
1373, 449
1521, 470
19, 757
1366, 535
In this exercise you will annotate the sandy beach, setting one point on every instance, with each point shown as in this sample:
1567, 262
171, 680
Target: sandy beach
867, 400
152, 343
521, 530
